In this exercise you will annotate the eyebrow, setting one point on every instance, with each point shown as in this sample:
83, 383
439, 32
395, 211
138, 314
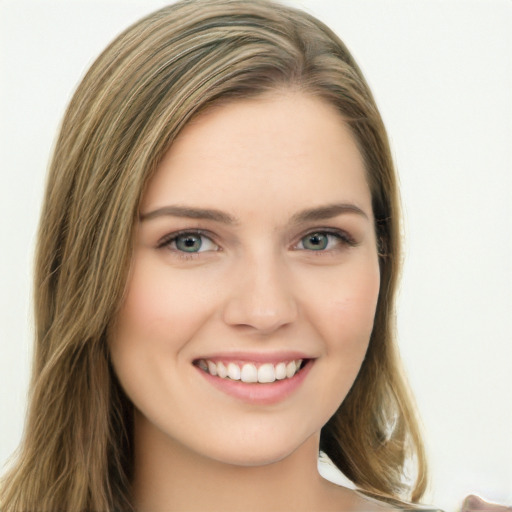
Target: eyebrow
189, 213
327, 212
308, 215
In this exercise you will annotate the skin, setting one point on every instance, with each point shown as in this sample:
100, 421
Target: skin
474, 503
257, 287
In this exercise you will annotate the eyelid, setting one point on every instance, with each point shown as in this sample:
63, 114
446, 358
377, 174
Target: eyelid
166, 240
344, 237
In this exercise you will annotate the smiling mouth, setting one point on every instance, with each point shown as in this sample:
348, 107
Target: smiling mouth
252, 373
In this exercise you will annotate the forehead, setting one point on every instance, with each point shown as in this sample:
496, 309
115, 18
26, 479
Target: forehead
287, 147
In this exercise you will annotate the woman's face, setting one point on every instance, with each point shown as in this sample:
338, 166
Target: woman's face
254, 281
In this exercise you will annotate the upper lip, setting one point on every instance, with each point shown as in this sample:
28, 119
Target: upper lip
255, 357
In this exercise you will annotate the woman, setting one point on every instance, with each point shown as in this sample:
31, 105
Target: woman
216, 268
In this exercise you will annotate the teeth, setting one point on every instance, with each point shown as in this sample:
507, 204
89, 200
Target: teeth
266, 373
233, 371
281, 371
248, 372
212, 368
291, 367
222, 372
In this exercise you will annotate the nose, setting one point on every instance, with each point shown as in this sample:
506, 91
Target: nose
260, 298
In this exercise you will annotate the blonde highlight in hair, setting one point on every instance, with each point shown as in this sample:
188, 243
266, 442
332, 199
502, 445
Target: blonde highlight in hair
158, 74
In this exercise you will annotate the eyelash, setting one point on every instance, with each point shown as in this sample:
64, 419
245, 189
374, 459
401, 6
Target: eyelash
342, 237
168, 240
165, 243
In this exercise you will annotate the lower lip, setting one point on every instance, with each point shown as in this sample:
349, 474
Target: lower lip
257, 393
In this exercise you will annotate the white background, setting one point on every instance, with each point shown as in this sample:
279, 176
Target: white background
441, 71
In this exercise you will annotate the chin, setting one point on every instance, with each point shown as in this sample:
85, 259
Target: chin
254, 457
261, 451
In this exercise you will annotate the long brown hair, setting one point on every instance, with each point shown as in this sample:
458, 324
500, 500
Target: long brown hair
77, 448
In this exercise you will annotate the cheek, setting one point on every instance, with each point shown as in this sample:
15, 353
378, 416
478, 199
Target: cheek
345, 306
342, 316
158, 309
353, 310
345, 322
155, 322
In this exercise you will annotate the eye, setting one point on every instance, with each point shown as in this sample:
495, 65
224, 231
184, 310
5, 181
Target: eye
189, 242
322, 240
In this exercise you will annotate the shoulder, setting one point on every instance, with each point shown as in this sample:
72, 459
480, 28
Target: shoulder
368, 504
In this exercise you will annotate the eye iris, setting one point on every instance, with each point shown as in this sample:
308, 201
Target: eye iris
189, 243
316, 241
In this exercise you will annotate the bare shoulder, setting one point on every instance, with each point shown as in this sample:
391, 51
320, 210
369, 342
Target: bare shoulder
343, 499
378, 506
366, 504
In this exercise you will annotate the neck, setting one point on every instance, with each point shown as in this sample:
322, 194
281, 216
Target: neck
170, 477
